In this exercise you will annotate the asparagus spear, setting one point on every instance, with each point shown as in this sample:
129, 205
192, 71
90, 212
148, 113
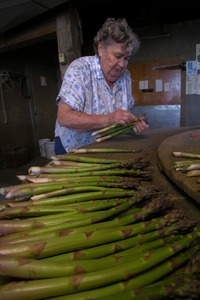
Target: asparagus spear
106, 193
184, 283
138, 215
72, 240
27, 191
45, 178
112, 291
193, 173
104, 150
186, 154
70, 157
37, 269
73, 219
71, 163
177, 228
42, 210
187, 165
105, 130
36, 170
117, 131
113, 130
175, 287
142, 272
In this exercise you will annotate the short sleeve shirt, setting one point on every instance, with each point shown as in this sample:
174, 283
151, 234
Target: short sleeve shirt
85, 90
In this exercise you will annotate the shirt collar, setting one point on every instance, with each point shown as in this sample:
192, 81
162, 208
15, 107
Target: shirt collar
98, 67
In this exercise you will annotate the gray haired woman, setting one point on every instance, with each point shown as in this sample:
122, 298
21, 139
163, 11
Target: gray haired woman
96, 91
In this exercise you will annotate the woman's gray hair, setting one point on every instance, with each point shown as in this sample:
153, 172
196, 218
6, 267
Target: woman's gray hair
119, 31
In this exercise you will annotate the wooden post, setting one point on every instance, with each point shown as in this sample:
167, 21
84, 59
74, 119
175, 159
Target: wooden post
69, 37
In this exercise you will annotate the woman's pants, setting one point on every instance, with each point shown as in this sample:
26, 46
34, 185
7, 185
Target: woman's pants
58, 148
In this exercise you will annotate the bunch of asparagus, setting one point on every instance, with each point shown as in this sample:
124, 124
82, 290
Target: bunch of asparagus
114, 130
79, 233
190, 167
71, 174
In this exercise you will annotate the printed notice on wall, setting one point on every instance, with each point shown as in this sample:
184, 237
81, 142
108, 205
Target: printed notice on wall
143, 84
191, 67
193, 84
166, 86
159, 85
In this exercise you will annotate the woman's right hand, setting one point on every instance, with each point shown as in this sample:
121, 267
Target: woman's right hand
121, 116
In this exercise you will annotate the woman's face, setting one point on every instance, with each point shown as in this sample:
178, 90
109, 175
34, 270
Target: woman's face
114, 58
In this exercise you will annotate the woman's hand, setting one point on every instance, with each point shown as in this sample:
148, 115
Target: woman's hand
121, 116
141, 125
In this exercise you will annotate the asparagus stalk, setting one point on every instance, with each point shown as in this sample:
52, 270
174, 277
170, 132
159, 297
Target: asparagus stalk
115, 172
113, 130
177, 228
102, 172
72, 240
113, 133
140, 194
136, 215
36, 170
71, 163
104, 150
37, 269
175, 287
39, 189
71, 180
186, 154
118, 182
65, 163
41, 210
65, 228
105, 193
139, 214
46, 183
184, 283
150, 276
105, 130
129, 184
84, 159
187, 165
169, 257
193, 266
83, 205
73, 219
61, 229
89, 206
193, 173
33, 211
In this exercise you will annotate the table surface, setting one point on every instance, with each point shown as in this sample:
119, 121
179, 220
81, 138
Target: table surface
148, 142
188, 142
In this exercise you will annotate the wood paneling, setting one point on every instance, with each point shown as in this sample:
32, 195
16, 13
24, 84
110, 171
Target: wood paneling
171, 79
68, 37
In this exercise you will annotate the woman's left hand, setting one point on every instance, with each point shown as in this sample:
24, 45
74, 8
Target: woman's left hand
142, 124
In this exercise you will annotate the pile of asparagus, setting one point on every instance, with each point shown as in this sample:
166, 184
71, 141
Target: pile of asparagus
116, 129
190, 167
91, 228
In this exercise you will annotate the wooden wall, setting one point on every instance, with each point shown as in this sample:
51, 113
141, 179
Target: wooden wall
142, 74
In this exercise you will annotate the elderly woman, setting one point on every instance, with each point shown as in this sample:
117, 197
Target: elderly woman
96, 91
